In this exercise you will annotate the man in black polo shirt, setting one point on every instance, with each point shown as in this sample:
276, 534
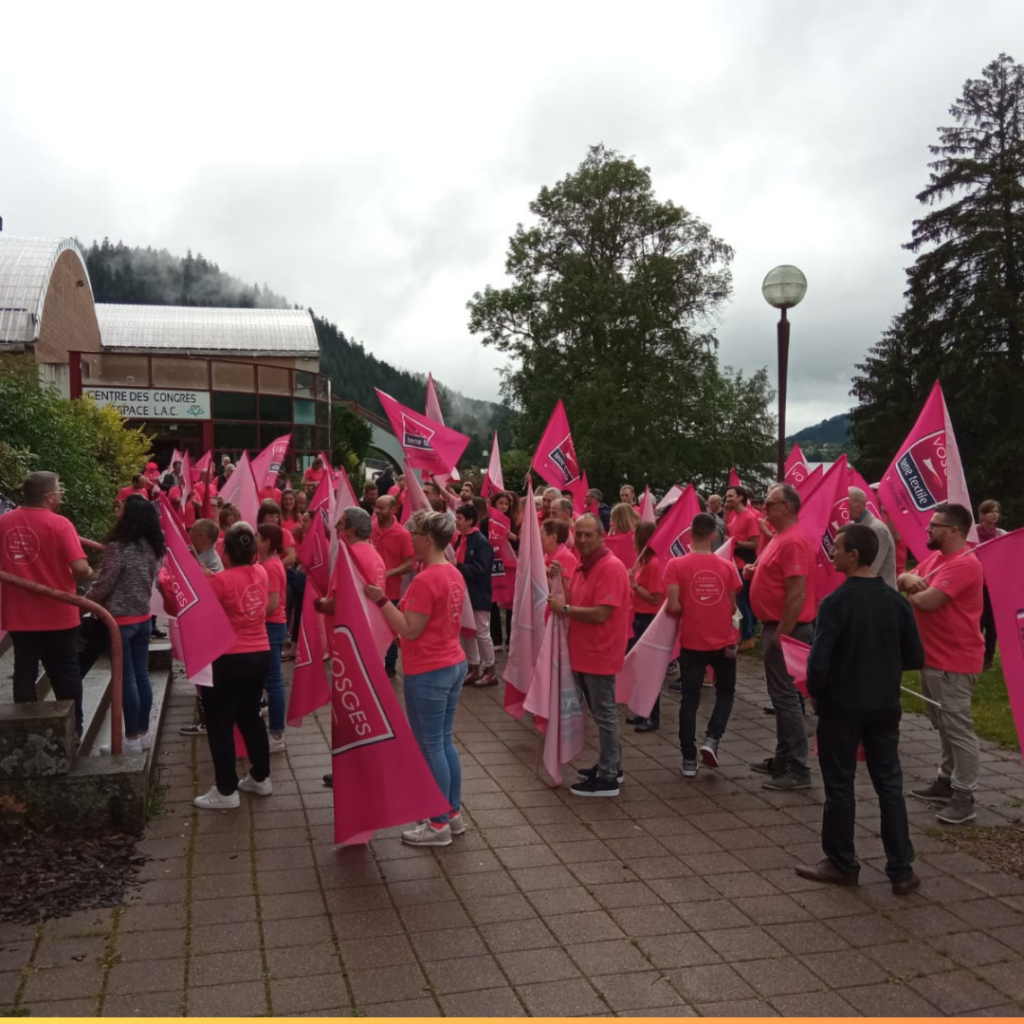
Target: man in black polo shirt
865, 637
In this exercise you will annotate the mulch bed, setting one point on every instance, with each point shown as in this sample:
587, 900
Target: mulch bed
52, 873
1001, 848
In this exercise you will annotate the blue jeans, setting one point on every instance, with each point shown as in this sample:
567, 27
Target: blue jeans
430, 702
293, 601
749, 623
135, 686
277, 633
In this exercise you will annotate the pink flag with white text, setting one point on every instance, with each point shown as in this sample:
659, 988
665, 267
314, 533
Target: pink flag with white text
1002, 559
267, 465
554, 698
797, 470
203, 625
647, 507
502, 573
313, 554
822, 516
240, 490
926, 472
310, 689
672, 538
528, 607
428, 444
380, 776
494, 479
555, 458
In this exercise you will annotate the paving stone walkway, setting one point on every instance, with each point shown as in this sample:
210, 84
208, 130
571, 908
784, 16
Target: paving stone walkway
677, 899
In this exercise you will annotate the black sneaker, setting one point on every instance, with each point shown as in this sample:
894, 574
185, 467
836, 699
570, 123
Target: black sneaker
595, 787
767, 767
591, 773
790, 780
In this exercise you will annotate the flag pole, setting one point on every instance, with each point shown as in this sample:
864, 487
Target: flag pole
921, 696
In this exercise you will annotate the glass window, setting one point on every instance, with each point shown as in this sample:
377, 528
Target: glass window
275, 409
323, 442
233, 406
235, 436
233, 377
323, 412
275, 380
305, 412
108, 368
322, 391
180, 372
302, 439
304, 384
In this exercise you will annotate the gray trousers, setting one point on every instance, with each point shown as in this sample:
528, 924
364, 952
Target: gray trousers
599, 692
791, 739
959, 742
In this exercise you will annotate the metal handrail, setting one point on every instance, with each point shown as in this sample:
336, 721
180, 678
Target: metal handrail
116, 696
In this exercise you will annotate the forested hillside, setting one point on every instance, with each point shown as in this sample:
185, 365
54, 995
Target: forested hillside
127, 274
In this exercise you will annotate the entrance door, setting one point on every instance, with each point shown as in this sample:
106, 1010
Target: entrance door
168, 437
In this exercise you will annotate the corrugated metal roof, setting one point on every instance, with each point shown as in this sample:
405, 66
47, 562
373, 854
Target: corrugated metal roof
25, 268
198, 329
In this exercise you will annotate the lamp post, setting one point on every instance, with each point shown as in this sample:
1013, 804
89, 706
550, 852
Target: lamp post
783, 288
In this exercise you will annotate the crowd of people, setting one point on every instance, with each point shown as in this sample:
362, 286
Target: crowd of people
418, 569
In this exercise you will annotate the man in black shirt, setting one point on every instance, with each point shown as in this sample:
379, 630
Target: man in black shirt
865, 637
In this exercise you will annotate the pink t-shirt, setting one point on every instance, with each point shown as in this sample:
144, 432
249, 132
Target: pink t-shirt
313, 476
705, 582
394, 545
38, 545
566, 559
951, 634
242, 591
743, 525
786, 555
437, 592
370, 564
126, 492
648, 576
600, 648
270, 492
277, 583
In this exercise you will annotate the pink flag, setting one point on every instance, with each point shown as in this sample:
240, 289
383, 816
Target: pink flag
200, 468
1002, 559
380, 776
528, 607
313, 553
344, 496
327, 463
810, 483
204, 628
555, 458
821, 516
674, 493
494, 480
554, 699
734, 478
796, 653
175, 457
267, 465
797, 469
926, 472
240, 490
310, 689
186, 478
502, 584
622, 547
416, 498
322, 502
433, 410
638, 682
672, 538
428, 444
647, 507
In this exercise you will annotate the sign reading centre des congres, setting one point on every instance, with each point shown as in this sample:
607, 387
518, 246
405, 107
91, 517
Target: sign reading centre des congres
154, 403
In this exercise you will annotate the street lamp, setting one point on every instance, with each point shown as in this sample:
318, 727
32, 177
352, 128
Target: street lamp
783, 288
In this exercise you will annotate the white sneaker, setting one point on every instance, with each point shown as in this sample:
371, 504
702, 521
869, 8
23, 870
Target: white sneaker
427, 835
146, 739
277, 746
127, 747
457, 823
250, 785
215, 800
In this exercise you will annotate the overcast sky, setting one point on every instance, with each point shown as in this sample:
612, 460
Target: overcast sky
373, 163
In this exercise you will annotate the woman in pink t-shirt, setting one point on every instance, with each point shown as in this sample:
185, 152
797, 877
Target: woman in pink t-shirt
433, 666
270, 544
238, 675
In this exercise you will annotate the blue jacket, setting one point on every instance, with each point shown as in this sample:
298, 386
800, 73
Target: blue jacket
476, 569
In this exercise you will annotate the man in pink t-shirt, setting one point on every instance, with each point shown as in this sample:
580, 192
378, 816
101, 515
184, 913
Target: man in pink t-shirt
946, 593
743, 526
598, 605
394, 545
43, 547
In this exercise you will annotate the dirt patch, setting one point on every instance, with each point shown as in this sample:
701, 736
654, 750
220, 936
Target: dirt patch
1001, 848
53, 873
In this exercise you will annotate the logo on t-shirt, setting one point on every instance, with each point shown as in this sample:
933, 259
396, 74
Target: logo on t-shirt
416, 435
455, 602
563, 455
182, 594
254, 601
706, 587
21, 545
922, 468
357, 718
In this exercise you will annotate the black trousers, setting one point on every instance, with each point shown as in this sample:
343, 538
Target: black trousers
839, 734
234, 699
988, 626
496, 614
692, 667
57, 649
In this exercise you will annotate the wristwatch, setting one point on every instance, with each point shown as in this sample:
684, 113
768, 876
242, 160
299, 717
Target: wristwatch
565, 611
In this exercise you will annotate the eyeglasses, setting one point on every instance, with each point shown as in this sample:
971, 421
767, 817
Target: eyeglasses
936, 526
768, 504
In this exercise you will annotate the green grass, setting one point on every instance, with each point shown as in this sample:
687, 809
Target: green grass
991, 706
